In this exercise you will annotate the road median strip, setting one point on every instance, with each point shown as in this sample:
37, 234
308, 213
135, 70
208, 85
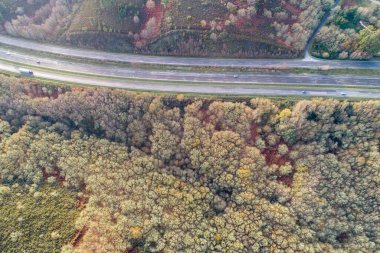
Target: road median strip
176, 82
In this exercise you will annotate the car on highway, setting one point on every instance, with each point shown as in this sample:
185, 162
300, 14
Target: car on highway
343, 94
26, 72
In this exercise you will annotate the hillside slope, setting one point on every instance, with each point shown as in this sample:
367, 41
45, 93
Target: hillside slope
252, 28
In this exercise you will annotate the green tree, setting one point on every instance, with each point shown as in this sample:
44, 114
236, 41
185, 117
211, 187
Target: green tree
369, 40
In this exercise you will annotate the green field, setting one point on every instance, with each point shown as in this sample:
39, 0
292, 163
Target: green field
36, 219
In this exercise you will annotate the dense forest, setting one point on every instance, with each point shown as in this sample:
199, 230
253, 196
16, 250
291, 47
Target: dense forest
171, 173
352, 32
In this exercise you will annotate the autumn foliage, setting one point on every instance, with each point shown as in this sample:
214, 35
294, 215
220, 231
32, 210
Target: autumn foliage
179, 174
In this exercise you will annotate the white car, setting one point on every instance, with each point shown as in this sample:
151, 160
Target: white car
26, 72
343, 93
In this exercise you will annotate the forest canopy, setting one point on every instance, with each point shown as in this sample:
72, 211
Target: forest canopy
352, 32
182, 174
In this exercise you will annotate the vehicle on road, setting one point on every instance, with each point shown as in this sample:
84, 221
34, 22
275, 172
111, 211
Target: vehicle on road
236, 76
343, 94
26, 72
303, 92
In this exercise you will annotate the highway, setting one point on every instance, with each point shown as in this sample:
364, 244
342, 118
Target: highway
111, 75
110, 71
184, 61
209, 88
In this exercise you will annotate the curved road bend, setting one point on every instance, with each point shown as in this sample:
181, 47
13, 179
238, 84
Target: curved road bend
182, 61
196, 88
192, 77
310, 41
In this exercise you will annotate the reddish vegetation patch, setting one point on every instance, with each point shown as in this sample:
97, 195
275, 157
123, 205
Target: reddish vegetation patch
272, 157
286, 180
257, 20
241, 24
282, 42
77, 89
82, 203
291, 8
349, 3
205, 116
77, 240
37, 91
158, 13
133, 250
254, 133
56, 174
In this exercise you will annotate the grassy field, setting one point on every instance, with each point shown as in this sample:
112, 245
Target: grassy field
36, 219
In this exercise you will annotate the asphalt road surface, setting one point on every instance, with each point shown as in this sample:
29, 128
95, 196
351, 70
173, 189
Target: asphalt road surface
309, 42
237, 89
176, 81
184, 61
105, 70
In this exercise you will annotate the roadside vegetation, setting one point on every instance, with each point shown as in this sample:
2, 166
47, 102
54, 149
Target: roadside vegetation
250, 28
178, 174
352, 32
239, 28
43, 20
9, 9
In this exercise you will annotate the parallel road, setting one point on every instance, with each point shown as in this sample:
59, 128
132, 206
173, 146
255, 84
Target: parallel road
105, 70
210, 88
183, 61
51, 67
